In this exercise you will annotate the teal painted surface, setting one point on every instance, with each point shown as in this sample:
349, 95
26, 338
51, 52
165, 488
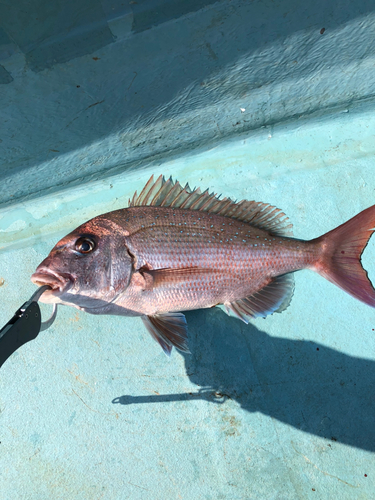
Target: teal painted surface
248, 99
273, 410
88, 91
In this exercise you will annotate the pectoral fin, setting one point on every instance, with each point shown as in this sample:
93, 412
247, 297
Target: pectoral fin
274, 297
154, 278
169, 329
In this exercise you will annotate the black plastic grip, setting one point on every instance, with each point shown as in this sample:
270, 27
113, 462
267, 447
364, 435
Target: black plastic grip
23, 327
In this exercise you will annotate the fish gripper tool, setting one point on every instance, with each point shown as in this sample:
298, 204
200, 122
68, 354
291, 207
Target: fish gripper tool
24, 326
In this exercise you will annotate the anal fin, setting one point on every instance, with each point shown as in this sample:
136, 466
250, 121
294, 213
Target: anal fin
169, 330
274, 297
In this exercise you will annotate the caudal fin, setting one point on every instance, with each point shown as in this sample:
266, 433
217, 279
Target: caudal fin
340, 261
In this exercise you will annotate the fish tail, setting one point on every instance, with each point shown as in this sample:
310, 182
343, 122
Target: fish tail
340, 256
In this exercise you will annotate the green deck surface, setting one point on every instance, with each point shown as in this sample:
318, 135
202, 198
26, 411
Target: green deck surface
248, 99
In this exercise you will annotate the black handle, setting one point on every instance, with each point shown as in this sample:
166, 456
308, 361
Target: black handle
23, 327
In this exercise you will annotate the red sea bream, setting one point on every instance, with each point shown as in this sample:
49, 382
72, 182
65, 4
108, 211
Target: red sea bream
175, 249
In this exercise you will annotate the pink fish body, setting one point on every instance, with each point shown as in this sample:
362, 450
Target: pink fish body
175, 250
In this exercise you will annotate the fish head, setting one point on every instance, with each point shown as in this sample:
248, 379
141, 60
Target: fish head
88, 268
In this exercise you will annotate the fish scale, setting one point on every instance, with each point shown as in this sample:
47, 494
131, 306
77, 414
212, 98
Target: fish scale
176, 249
239, 259
250, 248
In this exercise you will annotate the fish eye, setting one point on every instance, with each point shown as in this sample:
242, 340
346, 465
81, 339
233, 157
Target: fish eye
85, 245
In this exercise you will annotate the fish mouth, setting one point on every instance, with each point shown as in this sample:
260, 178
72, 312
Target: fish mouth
58, 282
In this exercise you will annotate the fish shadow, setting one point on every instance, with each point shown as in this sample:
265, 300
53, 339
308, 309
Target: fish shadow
304, 384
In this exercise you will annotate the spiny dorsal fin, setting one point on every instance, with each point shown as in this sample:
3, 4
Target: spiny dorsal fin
167, 193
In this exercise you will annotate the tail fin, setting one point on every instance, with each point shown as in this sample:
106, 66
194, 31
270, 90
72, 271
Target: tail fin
340, 261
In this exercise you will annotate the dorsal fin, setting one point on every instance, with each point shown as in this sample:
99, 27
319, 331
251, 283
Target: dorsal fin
167, 193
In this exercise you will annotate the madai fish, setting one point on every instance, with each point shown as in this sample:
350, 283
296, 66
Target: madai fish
175, 249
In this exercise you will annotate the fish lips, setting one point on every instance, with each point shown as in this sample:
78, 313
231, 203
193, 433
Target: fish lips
58, 282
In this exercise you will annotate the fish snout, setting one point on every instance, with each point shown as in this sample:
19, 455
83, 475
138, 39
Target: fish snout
57, 281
